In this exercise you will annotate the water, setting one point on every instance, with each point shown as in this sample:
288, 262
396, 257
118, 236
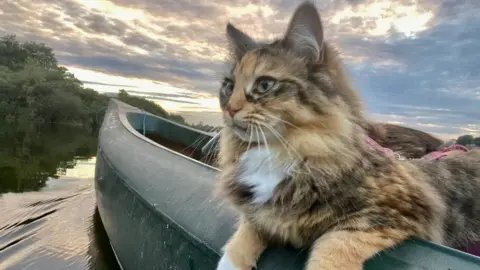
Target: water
47, 200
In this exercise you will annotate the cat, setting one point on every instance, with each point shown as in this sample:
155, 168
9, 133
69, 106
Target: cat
294, 161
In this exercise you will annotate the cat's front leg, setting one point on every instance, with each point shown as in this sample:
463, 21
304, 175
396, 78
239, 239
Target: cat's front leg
339, 250
243, 249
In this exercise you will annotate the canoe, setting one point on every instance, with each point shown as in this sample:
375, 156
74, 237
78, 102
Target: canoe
154, 187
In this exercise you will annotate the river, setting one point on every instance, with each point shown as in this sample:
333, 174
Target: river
47, 200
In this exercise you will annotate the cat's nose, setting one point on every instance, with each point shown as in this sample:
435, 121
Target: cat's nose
232, 111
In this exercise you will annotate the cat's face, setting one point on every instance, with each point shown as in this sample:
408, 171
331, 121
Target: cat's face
261, 93
292, 84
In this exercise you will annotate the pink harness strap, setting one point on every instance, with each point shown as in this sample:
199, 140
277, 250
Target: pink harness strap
430, 156
440, 154
374, 145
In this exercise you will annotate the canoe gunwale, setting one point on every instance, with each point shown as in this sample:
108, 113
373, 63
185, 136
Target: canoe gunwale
122, 115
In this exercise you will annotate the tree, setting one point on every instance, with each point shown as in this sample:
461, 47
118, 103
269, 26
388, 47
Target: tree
476, 141
34, 88
465, 140
14, 54
142, 103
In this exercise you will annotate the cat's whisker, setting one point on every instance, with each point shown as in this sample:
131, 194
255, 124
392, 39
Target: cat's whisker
264, 137
210, 153
284, 143
200, 139
266, 143
249, 130
257, 117
197, 141
240, 145
281, 138
265, 125
257, 135
257, 127
281, 120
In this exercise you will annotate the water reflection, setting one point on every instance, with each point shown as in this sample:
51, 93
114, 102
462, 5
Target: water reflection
47, 200
29, 154
100, 253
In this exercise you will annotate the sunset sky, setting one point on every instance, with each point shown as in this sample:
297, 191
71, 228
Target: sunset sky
415, 62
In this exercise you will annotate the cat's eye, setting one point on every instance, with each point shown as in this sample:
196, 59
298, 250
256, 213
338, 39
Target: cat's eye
265, 84
227, 86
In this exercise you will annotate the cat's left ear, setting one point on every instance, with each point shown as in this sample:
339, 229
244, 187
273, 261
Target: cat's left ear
304, 34
240, 42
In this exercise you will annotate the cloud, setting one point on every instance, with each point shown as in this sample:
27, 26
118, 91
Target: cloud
185, 98
381, 17
173, 95
171, 99
416, 59
107, 84
429, 125
99, 24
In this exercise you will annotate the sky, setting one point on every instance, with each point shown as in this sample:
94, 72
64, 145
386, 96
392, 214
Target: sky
415, 62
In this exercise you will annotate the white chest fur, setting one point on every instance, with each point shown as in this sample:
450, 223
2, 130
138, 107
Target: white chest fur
260, 169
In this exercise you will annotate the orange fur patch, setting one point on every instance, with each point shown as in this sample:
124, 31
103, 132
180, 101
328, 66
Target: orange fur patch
349, 250
245, 247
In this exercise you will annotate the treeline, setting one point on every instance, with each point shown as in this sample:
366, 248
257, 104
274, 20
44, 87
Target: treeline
148, 106
468, 140
34, 88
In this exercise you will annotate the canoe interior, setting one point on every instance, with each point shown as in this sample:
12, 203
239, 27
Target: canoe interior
178, 138
187, 150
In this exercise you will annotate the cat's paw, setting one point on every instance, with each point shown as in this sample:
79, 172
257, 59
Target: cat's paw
226, 263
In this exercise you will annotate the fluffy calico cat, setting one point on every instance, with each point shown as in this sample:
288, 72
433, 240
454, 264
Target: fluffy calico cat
296, 166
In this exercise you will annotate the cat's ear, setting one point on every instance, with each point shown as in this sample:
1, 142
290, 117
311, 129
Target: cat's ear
304, 34
239, 42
